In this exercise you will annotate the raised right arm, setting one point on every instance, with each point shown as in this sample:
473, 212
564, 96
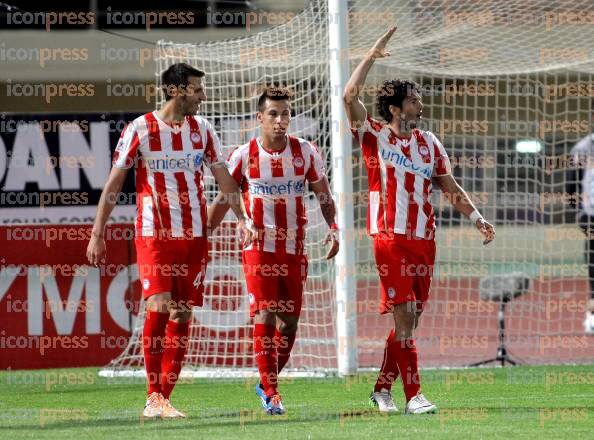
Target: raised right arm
355, 109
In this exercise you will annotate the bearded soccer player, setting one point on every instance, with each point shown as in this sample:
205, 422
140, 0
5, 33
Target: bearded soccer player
168, 148
402, 161
272, 171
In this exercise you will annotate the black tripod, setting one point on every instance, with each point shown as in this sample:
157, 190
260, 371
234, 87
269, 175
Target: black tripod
502, 355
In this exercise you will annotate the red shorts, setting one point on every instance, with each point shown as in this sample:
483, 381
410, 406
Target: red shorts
177, 266
405, 268
275, 282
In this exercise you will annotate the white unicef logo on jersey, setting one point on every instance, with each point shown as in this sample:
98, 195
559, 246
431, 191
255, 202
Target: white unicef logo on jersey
195, 137
146, 284
298, 162
391, 292
251, 298
424, 150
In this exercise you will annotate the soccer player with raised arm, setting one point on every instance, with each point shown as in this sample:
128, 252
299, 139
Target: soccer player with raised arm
402, 161
168, 149
272, 171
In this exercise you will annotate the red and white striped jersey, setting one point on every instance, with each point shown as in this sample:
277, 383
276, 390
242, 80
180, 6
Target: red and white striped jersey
168, 162
273, 188
399, 172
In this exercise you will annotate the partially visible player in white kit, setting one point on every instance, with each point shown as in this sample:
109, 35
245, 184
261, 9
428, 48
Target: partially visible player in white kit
402, 161
272, 171
168, 149
580, 181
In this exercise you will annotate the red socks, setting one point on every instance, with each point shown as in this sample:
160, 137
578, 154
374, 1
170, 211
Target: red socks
400, 357
176, 345
284, 345
266, 357
389, 370
152, 343
272, 350
406, 359
165, 343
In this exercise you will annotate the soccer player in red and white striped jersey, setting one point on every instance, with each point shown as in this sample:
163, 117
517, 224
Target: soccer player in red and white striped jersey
402, 161
168, 149
272, 171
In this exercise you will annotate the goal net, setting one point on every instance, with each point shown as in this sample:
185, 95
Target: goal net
507, 87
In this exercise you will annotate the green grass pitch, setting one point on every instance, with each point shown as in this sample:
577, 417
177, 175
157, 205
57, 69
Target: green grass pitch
520, 402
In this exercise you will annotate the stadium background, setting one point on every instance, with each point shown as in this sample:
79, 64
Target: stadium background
544, 243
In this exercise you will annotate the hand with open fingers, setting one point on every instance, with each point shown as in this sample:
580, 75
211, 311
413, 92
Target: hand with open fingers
379, 48
96, 251
486, 229
332, 237
247, 231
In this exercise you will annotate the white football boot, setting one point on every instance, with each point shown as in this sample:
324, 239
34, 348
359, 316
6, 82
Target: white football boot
383, 400
153, 406
169, 412
419, 405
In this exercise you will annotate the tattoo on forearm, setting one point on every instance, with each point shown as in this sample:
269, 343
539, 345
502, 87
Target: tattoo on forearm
328, 210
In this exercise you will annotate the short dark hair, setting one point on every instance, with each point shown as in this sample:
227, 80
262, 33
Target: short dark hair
393, 92
274, 93
177, 75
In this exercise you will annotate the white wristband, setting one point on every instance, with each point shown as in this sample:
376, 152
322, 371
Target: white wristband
474, 216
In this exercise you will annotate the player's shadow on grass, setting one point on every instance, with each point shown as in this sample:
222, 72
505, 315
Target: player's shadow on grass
258, 417
223, 419
55, 390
